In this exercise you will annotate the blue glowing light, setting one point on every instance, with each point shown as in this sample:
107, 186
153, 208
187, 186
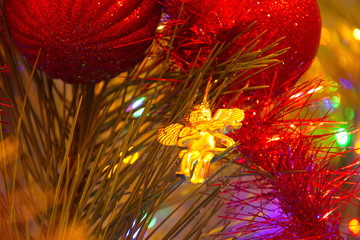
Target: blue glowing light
328, 104
346, 83
135, 234
138, 113
136, 104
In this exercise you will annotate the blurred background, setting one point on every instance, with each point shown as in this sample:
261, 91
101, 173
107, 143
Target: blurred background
338, 60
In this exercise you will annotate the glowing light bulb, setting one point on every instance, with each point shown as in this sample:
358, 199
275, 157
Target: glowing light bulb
136, 104
314, 90
131, 159
328, 104
356, 33
152, 223
357, 147
138, 113
137, 231
135, 234
342, 137
274, 138
161, 27
127, 160
354, 226
296, 95
335, 101
311, 91
346, 83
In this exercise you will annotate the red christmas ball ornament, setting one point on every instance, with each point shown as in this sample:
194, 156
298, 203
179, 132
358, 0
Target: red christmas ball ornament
218, 21
83, 41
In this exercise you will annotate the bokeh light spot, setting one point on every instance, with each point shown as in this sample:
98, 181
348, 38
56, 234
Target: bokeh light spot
131, 159
356, 33
342, 137
335, 101
357, 147
136, 104
138, 113
354, 226
350, 113
334, 87
346, 83
152, 223
328, 103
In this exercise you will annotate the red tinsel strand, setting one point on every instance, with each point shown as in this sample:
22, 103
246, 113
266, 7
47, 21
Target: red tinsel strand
293, 171
311, 200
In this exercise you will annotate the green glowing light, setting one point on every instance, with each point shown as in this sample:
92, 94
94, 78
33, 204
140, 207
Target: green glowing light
342, 137
349, 112
138, 113
335, 101
152, 223
334, 87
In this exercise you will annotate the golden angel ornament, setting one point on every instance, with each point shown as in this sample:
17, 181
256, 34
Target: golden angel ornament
203, 136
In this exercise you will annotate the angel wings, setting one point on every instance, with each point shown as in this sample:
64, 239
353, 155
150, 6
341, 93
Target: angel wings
203, 135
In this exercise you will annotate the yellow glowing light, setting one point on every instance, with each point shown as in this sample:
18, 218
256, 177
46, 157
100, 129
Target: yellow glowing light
333, 87
296, 95
311, 91
354, 226
274, 138
314, 90
357, 147
161, 27
112, 171
327, 214
127, 160
356, 33
131, 159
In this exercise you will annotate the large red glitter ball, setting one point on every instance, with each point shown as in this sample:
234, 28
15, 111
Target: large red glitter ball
83, 41
218, 21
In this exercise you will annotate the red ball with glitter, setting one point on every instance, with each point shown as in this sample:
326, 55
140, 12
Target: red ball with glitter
82, 41
220, 21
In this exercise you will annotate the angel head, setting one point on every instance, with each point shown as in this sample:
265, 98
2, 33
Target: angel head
199, 113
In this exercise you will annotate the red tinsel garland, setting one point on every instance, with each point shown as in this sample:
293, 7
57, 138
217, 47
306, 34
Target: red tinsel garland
296, 193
